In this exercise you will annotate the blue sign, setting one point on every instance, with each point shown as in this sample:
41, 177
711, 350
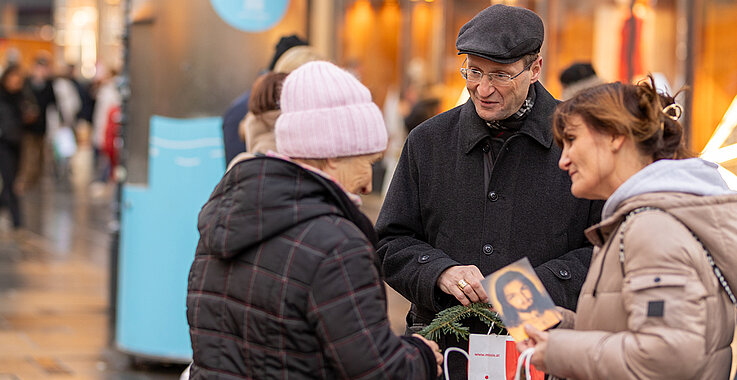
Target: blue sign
159, 235
251, 15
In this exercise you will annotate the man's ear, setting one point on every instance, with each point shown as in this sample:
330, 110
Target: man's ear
536, 69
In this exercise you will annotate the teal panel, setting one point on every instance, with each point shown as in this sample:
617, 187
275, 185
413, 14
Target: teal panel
159, 235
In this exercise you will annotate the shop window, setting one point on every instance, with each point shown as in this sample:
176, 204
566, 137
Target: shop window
715, 81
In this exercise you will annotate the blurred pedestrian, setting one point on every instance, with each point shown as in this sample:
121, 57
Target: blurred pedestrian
14, 112
422, 110
577, 77
107, 100
257, 129
304, 296
33, 147
477, 187
62, 123
654, 305
237, 110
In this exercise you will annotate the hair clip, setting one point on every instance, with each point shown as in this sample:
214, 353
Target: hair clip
676, 108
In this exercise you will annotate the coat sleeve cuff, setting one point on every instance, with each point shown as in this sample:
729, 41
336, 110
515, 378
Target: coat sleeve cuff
427, 355
432, 271
568, 318
564, 345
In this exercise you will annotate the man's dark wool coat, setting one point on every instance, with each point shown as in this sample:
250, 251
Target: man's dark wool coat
439, 213
285, 284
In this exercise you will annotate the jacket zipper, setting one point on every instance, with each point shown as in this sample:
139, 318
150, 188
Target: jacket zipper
603, 261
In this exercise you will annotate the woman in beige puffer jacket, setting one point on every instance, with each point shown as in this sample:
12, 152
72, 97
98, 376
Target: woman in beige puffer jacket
257, 128
652, 306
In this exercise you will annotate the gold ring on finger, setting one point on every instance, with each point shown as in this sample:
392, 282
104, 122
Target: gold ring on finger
462, 284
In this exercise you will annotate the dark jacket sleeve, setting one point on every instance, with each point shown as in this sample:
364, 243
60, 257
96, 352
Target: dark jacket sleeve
411, 265
347, 305
564, 276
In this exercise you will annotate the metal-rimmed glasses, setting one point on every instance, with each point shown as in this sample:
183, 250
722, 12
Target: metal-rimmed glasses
496, 79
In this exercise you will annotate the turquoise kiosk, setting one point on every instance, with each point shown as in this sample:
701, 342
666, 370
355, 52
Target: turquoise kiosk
159, 235
175, 162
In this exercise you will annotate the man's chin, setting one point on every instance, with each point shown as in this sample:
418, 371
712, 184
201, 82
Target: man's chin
490, 113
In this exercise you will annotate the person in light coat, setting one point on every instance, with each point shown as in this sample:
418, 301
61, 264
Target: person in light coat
652, 305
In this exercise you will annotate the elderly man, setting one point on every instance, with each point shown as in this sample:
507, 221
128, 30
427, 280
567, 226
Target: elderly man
478, 187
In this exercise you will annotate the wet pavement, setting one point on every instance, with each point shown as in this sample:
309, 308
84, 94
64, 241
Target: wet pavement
54, 290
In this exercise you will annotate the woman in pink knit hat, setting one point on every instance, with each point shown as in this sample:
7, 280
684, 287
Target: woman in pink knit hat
285, 281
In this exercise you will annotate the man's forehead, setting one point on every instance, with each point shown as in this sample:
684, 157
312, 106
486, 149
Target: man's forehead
481, 61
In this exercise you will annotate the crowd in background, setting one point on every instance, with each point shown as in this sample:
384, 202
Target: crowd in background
51, 116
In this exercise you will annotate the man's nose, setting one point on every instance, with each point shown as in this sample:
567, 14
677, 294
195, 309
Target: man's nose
485, 87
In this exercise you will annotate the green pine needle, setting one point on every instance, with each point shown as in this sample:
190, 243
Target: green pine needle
447, 321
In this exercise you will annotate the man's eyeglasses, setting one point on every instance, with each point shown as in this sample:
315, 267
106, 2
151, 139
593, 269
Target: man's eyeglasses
496, 79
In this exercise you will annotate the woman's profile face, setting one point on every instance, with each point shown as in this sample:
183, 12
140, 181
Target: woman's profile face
589, 160
355, 173
518, 294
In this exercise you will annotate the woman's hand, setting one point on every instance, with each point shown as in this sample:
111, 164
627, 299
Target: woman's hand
436, 350
539, 340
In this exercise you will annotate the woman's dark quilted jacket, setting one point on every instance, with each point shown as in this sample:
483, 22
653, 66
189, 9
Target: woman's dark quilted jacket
285, 285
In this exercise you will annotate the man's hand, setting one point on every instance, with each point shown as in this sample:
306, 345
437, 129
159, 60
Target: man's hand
467, 277
435, 349
539, 340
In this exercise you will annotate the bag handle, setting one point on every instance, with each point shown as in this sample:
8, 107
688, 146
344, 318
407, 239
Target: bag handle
524, 358
714, 267
445, 359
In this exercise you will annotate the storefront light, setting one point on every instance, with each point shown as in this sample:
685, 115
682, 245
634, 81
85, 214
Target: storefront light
716, 152
724, 129
46, 32
82, 17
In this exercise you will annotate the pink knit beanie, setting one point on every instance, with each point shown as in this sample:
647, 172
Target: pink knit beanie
326, 113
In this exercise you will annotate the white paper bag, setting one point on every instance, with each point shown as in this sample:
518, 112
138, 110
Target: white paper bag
491, 357
487, 356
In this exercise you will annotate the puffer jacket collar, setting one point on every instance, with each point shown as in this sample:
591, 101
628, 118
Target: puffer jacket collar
713, 218
295, 195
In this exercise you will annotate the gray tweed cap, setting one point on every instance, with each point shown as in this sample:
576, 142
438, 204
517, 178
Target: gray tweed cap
502, 34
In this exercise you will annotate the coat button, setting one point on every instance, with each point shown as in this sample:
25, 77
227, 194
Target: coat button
486, 148
488, 249
424, 258
564, 273
493, 196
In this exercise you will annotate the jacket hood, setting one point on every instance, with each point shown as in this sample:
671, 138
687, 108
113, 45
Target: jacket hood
258, 199
690, 190
692, 176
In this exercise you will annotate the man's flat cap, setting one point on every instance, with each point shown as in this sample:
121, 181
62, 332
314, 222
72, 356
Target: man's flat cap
502, 34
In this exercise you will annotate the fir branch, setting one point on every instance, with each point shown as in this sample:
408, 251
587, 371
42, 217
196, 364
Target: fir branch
447, 321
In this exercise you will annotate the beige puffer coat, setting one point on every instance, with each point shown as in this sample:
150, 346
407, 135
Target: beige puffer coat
258, 131
660, 313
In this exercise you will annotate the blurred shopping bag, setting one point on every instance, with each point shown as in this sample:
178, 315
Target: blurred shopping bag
492, 357
64, 142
